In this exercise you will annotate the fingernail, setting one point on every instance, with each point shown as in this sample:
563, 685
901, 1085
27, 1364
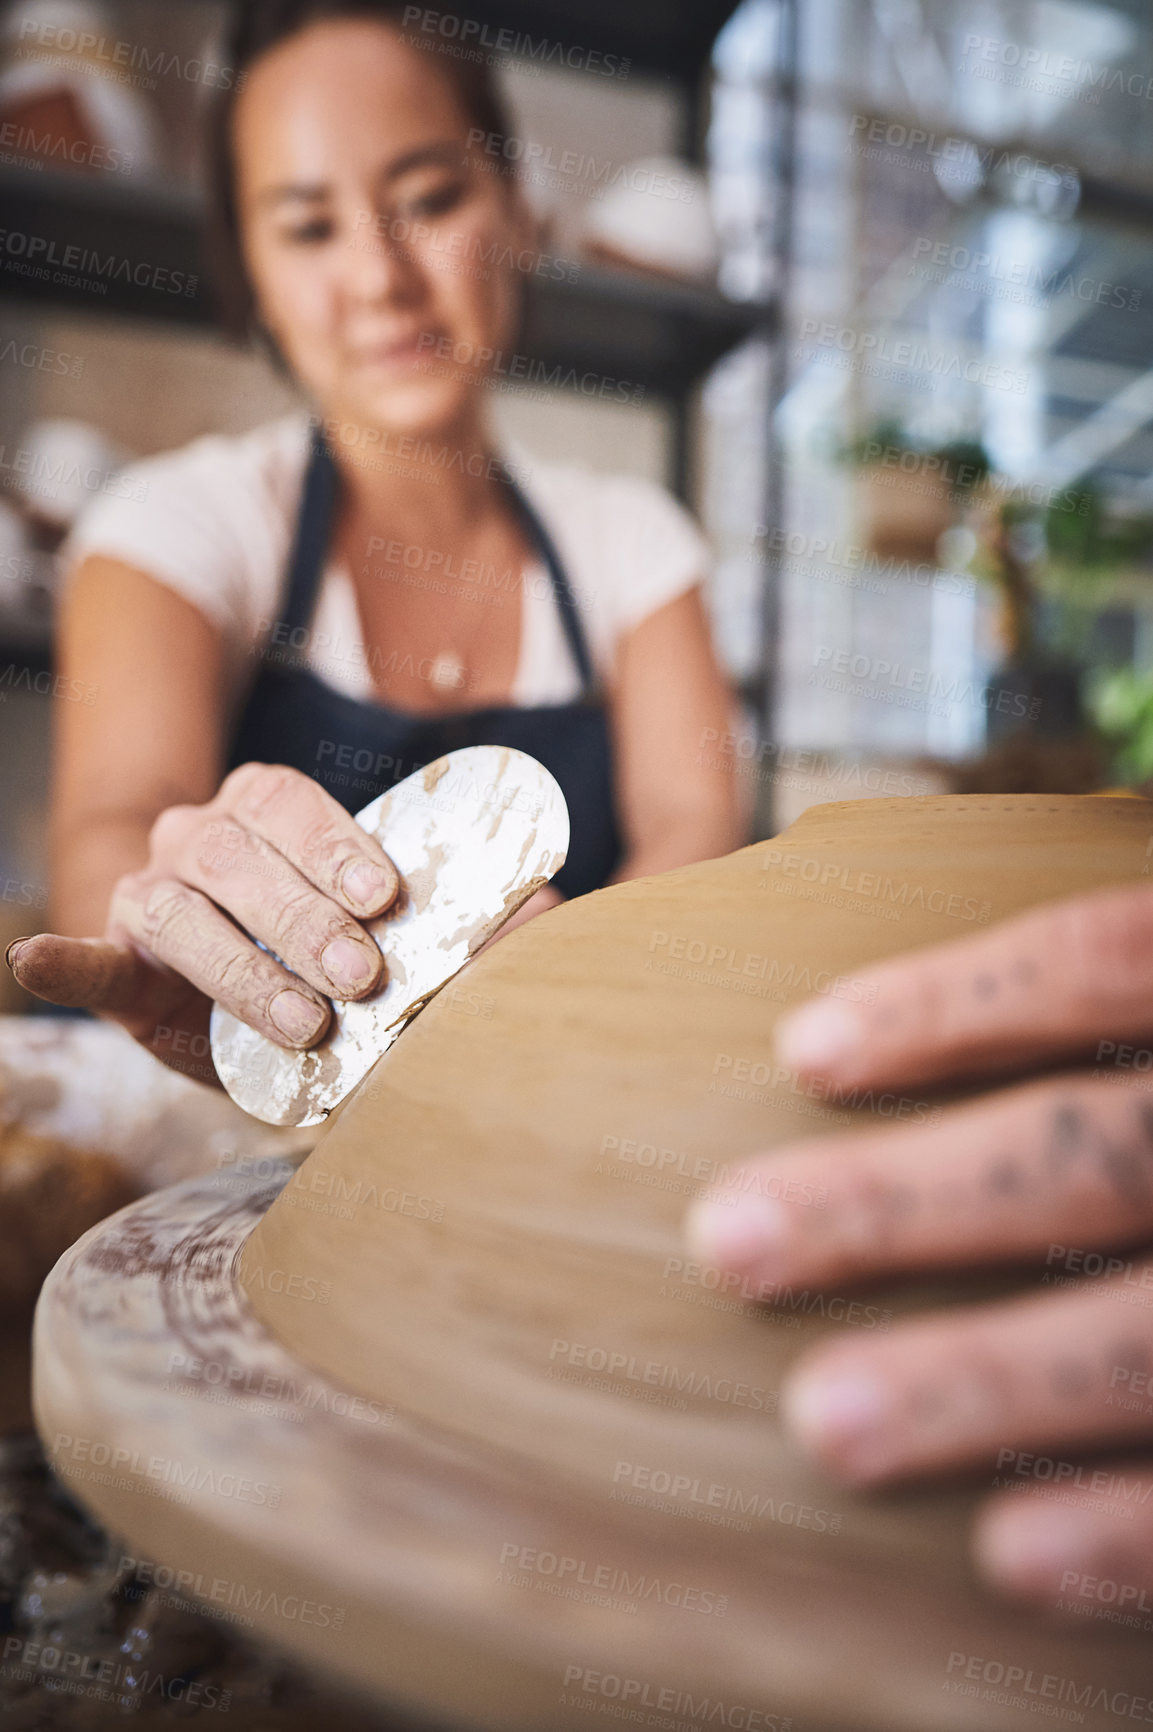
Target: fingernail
738, 1230
300, 1018
13, 949
350, 966
818, 1036
842, 1415
1029, 1547
368, 886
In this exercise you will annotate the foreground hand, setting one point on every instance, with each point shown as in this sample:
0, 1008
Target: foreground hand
273, 854
1057, 1173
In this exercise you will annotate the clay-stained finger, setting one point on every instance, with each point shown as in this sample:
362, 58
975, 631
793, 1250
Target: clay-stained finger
247, 877
186, 931
998, 1387
1025, 1172
81, 973
1060, 979
311, 830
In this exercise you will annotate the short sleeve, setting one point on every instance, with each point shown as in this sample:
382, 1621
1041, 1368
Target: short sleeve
628, 549
208, 522
659, 552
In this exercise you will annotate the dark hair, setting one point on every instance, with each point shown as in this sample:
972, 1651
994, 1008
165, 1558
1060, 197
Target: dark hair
258, 26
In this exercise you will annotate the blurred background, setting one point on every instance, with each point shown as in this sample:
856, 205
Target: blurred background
869, 283
877, 276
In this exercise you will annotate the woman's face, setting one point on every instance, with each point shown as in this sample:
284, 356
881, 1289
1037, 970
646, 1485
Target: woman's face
381, 250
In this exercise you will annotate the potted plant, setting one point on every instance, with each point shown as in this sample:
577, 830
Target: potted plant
911, 491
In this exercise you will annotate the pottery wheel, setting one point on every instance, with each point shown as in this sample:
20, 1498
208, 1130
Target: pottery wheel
408, 1384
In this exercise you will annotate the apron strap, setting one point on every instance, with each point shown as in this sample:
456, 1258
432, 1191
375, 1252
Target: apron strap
314, 523
561, 587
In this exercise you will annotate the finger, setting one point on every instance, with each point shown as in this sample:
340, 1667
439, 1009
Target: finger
307, 826
1086, 1553
157, 1007
243, 874
1059, 979
183, 929
82, 973
991, 1385
1031, 1170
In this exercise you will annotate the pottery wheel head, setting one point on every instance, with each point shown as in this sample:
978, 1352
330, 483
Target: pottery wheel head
472, 836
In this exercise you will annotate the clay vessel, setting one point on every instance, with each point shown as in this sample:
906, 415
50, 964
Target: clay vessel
452, 1381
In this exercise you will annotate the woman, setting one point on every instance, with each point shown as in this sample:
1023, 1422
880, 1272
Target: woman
428, 593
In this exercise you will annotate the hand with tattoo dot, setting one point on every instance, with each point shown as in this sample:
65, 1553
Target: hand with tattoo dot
1052, 1393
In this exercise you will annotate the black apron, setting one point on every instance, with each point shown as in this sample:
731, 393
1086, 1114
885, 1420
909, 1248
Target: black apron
357, 750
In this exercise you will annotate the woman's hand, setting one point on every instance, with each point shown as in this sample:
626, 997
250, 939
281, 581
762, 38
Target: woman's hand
273, 854
1057, 1173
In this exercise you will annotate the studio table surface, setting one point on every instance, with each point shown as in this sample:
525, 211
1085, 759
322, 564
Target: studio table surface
481, 1403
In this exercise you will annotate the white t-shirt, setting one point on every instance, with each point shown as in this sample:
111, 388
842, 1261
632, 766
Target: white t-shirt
215, 522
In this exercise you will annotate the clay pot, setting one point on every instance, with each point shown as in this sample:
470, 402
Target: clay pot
456, 1383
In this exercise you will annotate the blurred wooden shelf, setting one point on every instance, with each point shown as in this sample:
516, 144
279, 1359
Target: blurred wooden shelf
662, 38
145, 245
